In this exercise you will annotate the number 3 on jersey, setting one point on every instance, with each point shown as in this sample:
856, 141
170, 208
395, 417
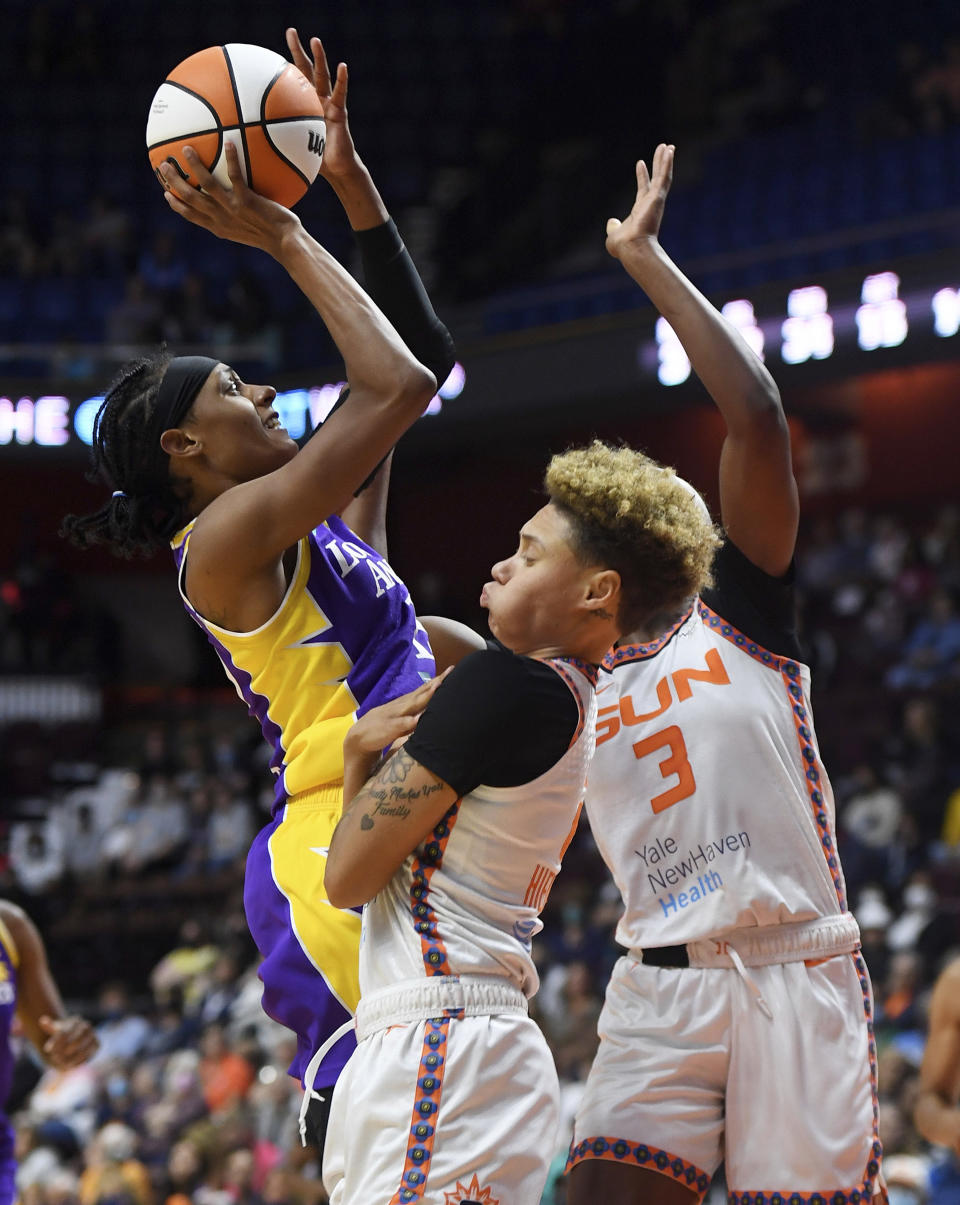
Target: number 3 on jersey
676, 762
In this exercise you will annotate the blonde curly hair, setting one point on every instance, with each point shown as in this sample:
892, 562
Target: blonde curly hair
636, 516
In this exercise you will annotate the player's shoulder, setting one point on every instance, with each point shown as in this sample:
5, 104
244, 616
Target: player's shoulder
17, 932
496, 677
498, 663
948, 981
11, 913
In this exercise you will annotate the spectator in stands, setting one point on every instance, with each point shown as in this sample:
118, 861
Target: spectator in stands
922, 926
107, 237
19, 250
186, 968
114, 1173
163, 266
137, 318
192, 319
573, 1032
221, 990
917, 765
37, 856
153, 832
889, 541
917, 577
869, 818
931, 654
225, 1075
185, 1172
61, 254
873, 916
820, 559
898, 1004
229, 828
122, 1032
941, 547
83, 842
239, 1173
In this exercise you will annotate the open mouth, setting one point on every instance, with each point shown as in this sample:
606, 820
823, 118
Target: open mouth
272, 421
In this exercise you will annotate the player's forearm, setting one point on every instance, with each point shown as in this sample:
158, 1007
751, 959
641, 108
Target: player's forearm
937, 1121
375, 356
383, 822
731, 372
359, 766
359, 197
391, 278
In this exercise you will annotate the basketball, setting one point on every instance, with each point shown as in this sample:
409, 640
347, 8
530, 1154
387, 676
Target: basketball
251, 97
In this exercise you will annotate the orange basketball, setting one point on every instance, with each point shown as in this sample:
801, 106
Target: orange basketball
251, 97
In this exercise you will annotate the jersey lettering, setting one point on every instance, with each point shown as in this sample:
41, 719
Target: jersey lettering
677, 763
341, 552
610, 719
422, 647
715, 673
538, 889
383, 575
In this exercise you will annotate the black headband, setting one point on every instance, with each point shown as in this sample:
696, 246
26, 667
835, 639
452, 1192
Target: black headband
183, 380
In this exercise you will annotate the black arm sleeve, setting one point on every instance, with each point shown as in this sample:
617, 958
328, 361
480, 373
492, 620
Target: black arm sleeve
498, 719
761, 606
392, 280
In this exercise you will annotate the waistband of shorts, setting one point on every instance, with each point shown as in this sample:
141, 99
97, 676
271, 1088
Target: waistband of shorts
794, 941
317, 797
442, 996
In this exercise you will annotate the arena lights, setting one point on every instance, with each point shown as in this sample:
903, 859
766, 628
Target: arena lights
946, 312
46, 421
809, 331
882, 318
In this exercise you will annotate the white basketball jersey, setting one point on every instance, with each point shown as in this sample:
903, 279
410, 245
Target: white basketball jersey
706, 795
467, 901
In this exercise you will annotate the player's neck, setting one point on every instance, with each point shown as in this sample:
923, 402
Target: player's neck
654, 627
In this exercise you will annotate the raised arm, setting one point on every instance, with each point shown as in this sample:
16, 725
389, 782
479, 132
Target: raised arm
936, 1113
389, 274
62, 1040
389, 388
758, 493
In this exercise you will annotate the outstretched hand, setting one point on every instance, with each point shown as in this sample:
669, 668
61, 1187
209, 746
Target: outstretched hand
70, 1041
643, 221
381, 726
339, 153
237, 213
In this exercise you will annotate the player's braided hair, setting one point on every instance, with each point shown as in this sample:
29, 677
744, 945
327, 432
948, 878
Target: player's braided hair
144, 510
636, 516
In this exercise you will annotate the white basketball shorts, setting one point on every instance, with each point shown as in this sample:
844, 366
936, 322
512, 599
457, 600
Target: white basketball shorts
693, 1069
445, 1111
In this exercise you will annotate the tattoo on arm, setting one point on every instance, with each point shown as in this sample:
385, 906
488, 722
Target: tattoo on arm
389, 793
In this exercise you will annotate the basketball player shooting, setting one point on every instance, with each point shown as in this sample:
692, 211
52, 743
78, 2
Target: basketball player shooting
278, 560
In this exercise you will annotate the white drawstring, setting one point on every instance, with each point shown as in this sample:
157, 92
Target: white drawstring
310, 1075
742, 972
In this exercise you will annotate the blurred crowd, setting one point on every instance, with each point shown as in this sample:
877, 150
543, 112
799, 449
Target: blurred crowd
108, 264
189, 1103
131, 861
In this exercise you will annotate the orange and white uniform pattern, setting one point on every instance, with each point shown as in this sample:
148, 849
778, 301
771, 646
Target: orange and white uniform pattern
710, 805
707, 797
452, 1093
